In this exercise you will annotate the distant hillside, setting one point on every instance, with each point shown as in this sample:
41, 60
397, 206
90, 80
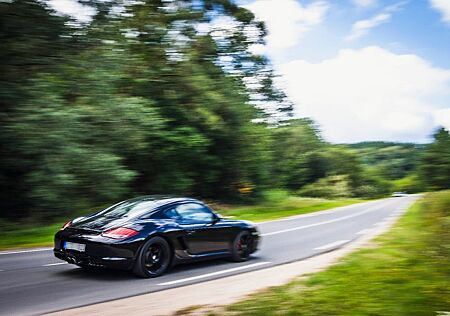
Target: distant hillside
381, 144
391, 160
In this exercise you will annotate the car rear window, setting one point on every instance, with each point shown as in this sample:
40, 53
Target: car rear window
130, 208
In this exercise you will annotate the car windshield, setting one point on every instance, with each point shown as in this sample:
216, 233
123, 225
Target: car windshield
130, 208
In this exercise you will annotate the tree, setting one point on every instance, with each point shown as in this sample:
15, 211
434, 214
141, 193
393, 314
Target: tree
34, 40
435, 163
137, 101
297, 154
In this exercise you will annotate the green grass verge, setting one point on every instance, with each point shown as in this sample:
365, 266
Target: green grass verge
28, 236
406, 272
287, 207
277, 205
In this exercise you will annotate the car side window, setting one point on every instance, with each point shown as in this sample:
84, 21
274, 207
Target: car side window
194, 213
172, 213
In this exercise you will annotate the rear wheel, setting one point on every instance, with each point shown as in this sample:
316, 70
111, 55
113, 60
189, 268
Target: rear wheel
154, 258
242, 246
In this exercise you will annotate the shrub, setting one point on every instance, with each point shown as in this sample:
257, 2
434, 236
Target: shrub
329, 187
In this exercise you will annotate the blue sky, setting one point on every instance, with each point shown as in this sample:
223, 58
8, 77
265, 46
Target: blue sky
363, 69
415, 28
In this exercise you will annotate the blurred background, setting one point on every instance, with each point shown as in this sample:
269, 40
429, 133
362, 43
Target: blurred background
125, 98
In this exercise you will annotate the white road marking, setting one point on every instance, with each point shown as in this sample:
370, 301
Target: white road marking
318, 213
327, 222
364, 231
54, 264
379, 224
24, 251
332, 245
202, 276
333, 210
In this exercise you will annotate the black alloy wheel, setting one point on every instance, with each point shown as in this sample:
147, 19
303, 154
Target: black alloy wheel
154, 258
242, 246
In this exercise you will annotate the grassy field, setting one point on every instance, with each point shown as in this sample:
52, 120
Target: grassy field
28, 236
276, 204
292, 206
406, 272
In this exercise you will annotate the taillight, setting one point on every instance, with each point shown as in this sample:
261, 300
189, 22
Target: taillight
68, 224
119, 233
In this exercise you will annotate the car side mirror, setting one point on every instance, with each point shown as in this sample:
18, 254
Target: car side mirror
215, 219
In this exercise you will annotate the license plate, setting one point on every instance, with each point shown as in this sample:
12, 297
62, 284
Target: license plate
74, 246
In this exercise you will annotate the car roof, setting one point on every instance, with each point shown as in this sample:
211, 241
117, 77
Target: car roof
162, 199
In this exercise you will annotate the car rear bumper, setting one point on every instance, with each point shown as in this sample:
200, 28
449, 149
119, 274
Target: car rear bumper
98, 252
94, 261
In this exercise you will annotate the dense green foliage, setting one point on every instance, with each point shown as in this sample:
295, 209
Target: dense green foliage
435, 165
405, 273
131, 103
162, 97
390, 160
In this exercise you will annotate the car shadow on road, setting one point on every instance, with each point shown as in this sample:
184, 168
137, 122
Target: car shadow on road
96, 274
182, 270
193, 267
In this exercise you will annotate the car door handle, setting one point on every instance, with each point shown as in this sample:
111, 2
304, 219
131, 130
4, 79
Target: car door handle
190, 232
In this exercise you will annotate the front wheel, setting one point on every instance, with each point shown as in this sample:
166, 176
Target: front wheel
154, 258
242, 246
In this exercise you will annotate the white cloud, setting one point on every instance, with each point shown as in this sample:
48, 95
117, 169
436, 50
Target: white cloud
442, 117
364, 3
288, 20
370, 94
258, 49
362, 27
73, 8
443, 6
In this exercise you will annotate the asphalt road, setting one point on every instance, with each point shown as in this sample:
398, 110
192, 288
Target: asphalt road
34, 282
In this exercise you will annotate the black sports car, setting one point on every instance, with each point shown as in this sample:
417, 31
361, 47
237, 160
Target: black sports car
152, 233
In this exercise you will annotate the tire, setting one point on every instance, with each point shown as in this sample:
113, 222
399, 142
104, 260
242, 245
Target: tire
154, 258
242, 246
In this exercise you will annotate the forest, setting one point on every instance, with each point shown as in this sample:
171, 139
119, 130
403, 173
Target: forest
166, 97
